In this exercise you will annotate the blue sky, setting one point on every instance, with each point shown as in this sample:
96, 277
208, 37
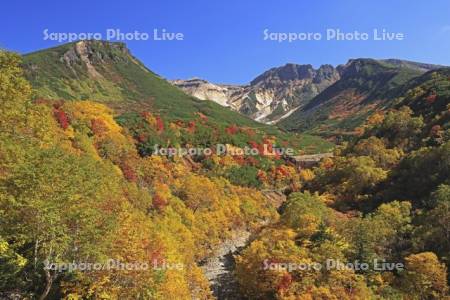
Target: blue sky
223, 41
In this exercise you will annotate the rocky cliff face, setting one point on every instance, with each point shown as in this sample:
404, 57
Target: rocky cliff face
284, 89
283, 93
205, 90
269, 97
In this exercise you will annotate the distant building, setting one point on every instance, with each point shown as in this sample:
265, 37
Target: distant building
308, 161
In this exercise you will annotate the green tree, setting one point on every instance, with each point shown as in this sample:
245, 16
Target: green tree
401, 128
243, 175
376, 149
419, 174
303, 211
381, 234
351, 179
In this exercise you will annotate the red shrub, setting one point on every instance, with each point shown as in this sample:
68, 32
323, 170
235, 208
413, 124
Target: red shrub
202, 117
435, 130
232, 129
257, 146
61, 117
142, 137
282, 171
285, 282
191, 126
239, 159
159, 202
129, 173
262, 176
159, 124
431, 98
253, 144
252, 161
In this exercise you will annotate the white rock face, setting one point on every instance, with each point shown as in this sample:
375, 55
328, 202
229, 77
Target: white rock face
269, 97
204, 90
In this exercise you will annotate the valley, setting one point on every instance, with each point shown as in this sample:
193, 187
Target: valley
80, 181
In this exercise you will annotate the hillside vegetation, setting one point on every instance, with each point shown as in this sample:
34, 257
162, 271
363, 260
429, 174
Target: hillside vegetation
383, 197
89, 211
81, 184
366, 86
107, 72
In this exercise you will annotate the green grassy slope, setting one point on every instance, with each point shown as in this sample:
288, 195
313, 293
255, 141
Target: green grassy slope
108, 73
118, 78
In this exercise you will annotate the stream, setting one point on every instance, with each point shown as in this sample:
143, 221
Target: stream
219, 269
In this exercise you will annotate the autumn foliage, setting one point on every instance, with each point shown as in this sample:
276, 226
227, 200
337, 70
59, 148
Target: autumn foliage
61, 117
94, 192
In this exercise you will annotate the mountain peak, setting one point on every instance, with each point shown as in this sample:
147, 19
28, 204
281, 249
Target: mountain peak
287, 72
356, 65
92, 45
95, 69
424, 67
270, 95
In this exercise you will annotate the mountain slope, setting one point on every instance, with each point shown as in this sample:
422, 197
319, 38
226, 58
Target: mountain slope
279, 92
269, 96
365, 85
428, 95
108, 73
